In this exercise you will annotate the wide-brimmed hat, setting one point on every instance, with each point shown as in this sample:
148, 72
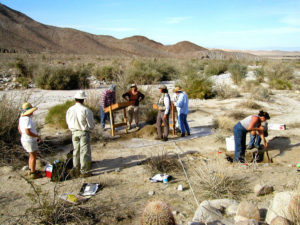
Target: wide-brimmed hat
177, 89
133, 85
112, 87
80, 95
162, 86
27, 109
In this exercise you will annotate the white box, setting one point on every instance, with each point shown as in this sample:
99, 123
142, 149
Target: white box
276, 126
230, 144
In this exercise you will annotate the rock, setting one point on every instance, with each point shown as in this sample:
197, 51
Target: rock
207, 214
278, 220
247, 211
220, 204
260, 190
247, 222
180, 188
294, 207
24, 168
232, 209
279, 206
151, 193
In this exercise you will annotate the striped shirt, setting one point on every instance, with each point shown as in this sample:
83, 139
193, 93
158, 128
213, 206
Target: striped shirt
108, 98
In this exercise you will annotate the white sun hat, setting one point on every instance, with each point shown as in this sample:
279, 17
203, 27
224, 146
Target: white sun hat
80, 95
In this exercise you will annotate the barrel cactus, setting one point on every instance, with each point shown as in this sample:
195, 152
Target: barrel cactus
157, 213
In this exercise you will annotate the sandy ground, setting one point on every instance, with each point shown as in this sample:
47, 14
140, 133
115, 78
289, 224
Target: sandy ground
117, 162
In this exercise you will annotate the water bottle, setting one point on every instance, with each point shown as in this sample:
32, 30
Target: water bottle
165, 179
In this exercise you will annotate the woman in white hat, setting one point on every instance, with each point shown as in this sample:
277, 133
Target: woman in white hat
29, 137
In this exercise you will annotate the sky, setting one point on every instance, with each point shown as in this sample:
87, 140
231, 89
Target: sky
227, 24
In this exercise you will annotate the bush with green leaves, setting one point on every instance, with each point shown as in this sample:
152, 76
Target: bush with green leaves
25, 71
238, 72
260, 74
110, 72
215, 67
280, 84
57, 114
63, 78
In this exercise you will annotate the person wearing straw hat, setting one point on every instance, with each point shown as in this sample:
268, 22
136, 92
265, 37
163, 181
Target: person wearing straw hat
108, 98
135, 96
163, 106
182, 105
80, 121
29, 137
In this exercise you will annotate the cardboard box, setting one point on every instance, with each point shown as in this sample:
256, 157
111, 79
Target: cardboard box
230, 146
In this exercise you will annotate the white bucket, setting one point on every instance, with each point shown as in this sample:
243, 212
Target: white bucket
230, 144
276, 126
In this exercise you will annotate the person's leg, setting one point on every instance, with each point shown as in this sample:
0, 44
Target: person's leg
258, 141
102, 117
237, 141
181, 124
158, 124
252, 139
32, 161
243, 139
130, 115
85, 153
136, 115
166, 127
186, 125
76, 151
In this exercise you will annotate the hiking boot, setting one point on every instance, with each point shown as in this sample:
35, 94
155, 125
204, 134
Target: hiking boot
182, 135
35, 175
165, 139
188, 134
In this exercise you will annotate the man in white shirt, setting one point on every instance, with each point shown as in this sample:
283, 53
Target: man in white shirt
163, 105
80, 121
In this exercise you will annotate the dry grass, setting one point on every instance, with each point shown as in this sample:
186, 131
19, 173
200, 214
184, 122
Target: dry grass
225, 91
163, 163
215, 180
261, 94
224, 123
249, 104
237, 115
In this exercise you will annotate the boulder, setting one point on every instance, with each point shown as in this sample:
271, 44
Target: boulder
247, 211
265, 189
278, 220
220, 204
247, 222
279, 206
232, 209
207, 214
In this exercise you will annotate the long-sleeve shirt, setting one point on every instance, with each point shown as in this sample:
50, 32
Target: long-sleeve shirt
164, 102
80, 118
136, 98
182, 103
108, 98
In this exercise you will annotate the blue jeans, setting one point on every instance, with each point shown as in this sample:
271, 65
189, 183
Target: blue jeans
183, 125
103, 117
240, 142
255, 140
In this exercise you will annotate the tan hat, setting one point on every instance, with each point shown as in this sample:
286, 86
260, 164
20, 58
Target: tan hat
162, 86
80, 95
27, 109
177, 89
133, 85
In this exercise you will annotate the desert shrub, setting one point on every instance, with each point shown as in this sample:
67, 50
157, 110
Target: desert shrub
280, 84
237, 115
25, 72
63, 78
216, 181
93, 102
57, 114
150, 71
163, 163
260, 74
250, 104
225, 123
225, 91
280, 75
238, 72
261, 94
215, 67
249, 85
110, 72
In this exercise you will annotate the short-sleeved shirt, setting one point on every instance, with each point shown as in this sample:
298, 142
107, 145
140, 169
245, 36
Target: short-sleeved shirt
25, 122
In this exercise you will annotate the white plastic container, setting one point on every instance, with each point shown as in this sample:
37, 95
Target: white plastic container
230, 144
276, 126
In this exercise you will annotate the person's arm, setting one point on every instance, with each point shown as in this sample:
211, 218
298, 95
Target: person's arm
167, 105
19, 129
125, 95
141, 96
90, 119
180, 101
29, 133
252, 124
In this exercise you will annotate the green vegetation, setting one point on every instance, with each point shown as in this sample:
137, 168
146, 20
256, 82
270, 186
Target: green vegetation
215, 67
110, 72
63, 78
57, 114
238, 72
260, 74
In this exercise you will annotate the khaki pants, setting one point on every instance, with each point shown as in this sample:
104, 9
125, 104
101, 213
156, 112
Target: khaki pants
82, 157
160, 119
133, 112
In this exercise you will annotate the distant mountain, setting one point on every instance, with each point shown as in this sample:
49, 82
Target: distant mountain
19, 33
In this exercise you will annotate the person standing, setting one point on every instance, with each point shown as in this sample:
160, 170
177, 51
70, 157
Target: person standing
136, 97
29, 137
108, 98
80, 121
163, 106
250, 123
182, 105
